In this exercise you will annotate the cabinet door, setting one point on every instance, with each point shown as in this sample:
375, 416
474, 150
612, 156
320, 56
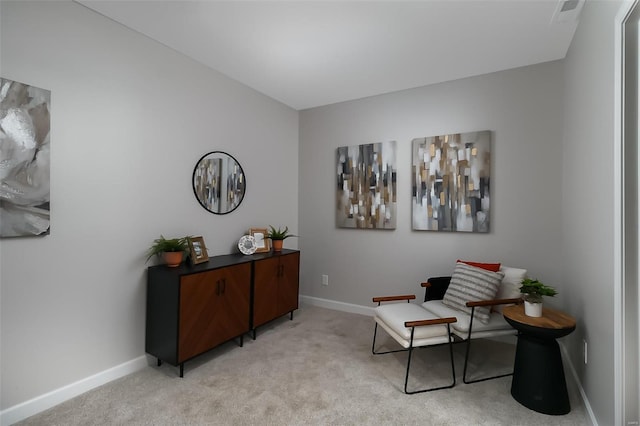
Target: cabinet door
214, 307
265, 297
288, 283
236, 289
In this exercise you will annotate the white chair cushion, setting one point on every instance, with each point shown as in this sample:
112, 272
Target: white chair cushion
510, 286
392, 316
496, 326
469, 283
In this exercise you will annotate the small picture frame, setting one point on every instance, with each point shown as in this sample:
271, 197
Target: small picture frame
197, 250
263, 244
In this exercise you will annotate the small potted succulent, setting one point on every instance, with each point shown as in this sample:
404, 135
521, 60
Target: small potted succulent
278, 236
533, 291
171, 250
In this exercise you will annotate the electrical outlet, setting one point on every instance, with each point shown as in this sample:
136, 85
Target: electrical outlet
325, 280
584, 350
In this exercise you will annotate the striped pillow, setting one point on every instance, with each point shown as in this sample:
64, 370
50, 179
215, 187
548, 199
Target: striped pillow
469, 283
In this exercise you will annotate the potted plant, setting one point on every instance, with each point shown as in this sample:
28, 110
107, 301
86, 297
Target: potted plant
533, 291
171, 250
277, 236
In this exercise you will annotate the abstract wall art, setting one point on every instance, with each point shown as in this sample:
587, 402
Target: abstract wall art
451, 182
24, 159
366, 186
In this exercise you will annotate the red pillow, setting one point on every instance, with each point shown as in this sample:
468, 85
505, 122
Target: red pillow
493, 267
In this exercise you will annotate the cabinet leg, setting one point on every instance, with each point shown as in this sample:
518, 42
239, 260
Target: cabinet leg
291, 316
241, 340
254, 333
182, 370
159, 362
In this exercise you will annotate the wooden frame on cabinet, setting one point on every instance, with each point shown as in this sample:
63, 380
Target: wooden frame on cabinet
263, 243
197, 250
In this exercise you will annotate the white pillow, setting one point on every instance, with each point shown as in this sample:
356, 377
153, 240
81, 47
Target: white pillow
469, 283
510, 286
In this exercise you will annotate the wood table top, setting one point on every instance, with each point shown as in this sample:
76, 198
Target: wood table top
550, 319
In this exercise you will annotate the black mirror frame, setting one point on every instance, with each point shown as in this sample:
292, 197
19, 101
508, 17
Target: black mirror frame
244, 182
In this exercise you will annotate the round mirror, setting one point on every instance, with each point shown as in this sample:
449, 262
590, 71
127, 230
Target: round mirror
218, 182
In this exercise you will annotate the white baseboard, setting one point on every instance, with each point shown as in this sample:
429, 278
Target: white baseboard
576, 379
44, 402
337, 306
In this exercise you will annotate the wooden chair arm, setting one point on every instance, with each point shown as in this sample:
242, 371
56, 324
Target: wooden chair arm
494, 302
394, 298
419, 323
426, 284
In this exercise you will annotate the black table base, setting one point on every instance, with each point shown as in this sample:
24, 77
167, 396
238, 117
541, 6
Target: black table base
538, 376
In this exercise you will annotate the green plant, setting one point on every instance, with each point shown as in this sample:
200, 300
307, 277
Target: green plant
279, 234
161, 245
534, 290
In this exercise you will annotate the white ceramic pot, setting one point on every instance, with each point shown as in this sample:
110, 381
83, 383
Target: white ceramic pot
532, 309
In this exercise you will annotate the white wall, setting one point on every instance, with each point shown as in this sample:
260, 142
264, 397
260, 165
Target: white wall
588, 201
523, 109
130, 118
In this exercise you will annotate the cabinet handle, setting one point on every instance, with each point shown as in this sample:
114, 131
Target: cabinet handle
221, 286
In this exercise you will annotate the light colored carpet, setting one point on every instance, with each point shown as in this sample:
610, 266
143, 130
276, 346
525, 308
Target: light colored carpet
317, 369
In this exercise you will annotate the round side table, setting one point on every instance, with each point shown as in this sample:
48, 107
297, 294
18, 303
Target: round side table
538, 375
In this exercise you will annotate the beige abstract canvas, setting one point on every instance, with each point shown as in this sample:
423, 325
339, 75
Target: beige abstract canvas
452, 182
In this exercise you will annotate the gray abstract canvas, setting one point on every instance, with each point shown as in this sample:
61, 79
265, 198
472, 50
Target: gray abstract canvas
24, 159
366, 186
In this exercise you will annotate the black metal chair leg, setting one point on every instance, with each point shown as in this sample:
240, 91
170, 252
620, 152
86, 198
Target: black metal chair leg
466, 358
466, 362
410, 350
453, 368
406, 374
373, 345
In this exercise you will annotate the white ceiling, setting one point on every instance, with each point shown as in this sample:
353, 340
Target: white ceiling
311, 53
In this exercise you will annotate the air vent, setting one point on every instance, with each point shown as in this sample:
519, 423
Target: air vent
567, 11
569, 5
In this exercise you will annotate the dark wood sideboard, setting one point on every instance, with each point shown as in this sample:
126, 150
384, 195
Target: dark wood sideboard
194, 308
